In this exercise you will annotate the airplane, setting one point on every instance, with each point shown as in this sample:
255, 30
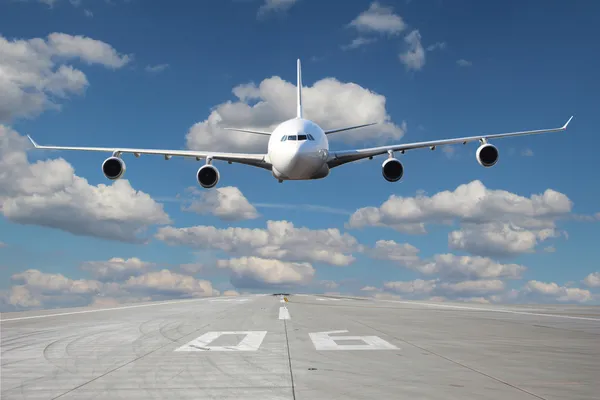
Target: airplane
298, 149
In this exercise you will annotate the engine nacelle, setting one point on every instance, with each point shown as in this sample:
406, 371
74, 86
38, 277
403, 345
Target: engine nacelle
392, 170
113, 168
208, 176
487, 155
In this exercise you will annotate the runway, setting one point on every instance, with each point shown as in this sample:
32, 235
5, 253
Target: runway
310, 347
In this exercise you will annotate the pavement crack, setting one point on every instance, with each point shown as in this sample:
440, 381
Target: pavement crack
287, 343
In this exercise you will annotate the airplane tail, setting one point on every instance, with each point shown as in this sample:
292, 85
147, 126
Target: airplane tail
299, 92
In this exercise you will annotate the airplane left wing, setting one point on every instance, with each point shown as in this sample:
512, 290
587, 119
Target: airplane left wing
256, 160
337, 158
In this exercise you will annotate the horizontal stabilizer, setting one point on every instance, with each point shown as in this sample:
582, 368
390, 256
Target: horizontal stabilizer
349, 128
249, 131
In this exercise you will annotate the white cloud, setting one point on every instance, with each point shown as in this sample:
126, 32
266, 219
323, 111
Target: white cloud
271, 6
592, 280
230, 293
329, 102
34, 76
414, 57
116, 269
379, 19
329, 284
249, 272
448, 266
495, 221
437, 45
170, 284
358, 42
227, 203
420, 288
48, 193
88, 13
498, 239
464, 63
542, 291
156, 68
37, 289
280, 240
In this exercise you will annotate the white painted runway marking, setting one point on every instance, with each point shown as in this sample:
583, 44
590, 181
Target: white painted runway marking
284, 313
322, 341
251, 342
101, 309
231, 300
282, 301
500, 310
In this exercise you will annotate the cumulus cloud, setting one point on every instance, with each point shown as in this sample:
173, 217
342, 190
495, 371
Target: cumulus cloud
449, 267
280, 240
379, 19
48, 193
34, 74
227, 203
464, 63
542, 291
495, 222
329, 102
116, 269
435, 287
37, 289
414, 57
592, 280
251, 272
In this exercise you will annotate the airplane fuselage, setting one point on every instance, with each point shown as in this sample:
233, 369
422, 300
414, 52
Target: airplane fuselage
298, 149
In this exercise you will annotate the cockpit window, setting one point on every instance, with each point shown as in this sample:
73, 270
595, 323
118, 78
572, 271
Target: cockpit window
310, 137
292, 137
301, 137
284, 138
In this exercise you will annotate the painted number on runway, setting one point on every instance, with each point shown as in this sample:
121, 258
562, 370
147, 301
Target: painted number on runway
324, 341
251, 342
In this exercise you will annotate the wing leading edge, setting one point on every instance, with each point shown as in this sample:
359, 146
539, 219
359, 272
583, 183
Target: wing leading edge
257, 160
337, 158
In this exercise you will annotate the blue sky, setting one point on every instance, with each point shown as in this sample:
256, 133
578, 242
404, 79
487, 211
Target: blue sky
149, 75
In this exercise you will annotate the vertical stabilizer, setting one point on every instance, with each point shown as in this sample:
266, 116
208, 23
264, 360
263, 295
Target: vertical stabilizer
299, 92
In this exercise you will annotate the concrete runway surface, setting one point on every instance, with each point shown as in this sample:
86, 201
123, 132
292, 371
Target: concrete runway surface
312, 347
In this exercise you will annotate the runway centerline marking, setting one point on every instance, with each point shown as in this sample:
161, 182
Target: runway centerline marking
284, 313
500, 310
100, 309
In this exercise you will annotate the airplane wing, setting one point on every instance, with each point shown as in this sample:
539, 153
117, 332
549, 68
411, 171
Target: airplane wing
337, 158
257, 160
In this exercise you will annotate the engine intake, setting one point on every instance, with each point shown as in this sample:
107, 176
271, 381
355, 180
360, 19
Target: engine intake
392, 170
113, 168
487, 155
208, 176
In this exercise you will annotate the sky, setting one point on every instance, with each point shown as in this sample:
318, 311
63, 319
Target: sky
131, 73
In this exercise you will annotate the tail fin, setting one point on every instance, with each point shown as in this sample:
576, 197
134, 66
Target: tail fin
299, 92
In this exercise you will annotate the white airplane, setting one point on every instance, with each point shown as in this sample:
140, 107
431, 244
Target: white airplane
298, 149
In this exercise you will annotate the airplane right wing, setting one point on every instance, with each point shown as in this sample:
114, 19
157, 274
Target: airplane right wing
337, 158
256, 160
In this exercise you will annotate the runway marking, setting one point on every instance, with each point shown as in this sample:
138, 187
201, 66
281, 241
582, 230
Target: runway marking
228, 300
282, 301
500, 310
101, 309
323, 341
284, 313
251, 342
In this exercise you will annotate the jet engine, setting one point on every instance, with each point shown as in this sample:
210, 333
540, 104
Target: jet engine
113, 168
392, 170
487, 155
208, 176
